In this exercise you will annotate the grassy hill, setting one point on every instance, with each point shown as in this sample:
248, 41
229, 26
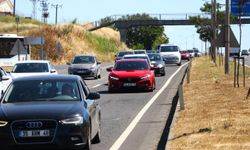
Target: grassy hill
74, 38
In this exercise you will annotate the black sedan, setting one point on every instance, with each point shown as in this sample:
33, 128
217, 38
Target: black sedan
52, 111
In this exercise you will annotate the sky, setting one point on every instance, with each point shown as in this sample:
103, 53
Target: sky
93, 10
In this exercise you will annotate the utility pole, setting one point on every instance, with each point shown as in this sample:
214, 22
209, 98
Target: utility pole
214, 28
56, 6
227, 37
14, 8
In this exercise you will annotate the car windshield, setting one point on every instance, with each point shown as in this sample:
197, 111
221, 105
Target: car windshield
121, 54
46, 90
30, 67
169, 49
190, 51
84, 60
183, 52
139, 52
154, 57
131, 65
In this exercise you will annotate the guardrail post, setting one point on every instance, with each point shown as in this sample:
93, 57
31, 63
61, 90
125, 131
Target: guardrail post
189, 71
181, 98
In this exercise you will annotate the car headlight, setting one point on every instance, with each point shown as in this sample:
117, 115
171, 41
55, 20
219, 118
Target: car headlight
145, 77
3, 123
74, 120
114, 78
159, 65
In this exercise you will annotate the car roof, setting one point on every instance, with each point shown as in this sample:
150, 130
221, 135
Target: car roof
135, 55
85, 55
33, 61
168, 45
48, 77
131, 60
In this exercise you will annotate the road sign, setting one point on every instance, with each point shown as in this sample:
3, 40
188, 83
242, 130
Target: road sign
220, 41
37, 40
240, 7
18, 48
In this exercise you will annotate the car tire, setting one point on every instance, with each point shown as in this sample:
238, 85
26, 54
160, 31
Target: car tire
88, 146
164, 73
99, 76
179, 64
153, 87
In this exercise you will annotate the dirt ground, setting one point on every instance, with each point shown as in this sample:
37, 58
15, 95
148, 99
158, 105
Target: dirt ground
216, 115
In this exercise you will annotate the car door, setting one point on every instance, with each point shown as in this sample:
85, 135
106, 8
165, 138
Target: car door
92, 108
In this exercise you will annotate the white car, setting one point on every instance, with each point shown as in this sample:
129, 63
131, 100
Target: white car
138, 56
170, 54
32, 67
5, 80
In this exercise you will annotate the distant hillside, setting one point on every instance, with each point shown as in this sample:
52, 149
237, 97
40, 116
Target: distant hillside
74, 38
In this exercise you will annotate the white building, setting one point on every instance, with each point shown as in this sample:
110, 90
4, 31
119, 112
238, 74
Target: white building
6, 7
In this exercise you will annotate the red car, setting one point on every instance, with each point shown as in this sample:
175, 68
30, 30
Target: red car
131, 74
185, 55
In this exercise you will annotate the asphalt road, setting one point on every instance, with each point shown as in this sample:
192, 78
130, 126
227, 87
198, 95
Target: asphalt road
148, 129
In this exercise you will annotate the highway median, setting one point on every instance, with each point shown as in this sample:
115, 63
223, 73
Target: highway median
216, 114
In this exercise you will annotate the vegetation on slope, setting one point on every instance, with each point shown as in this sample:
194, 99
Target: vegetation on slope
74, 39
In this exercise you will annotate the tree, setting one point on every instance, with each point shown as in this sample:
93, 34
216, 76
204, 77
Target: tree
145, 37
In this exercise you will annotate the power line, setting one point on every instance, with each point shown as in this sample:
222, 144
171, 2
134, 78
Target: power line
34, 2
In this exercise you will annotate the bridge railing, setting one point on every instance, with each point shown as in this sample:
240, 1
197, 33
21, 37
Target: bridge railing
182, 16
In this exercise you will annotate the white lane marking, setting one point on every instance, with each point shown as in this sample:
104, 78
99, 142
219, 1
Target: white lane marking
96, 86
132, 125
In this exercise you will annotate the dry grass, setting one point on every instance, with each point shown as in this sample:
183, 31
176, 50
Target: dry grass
216, 116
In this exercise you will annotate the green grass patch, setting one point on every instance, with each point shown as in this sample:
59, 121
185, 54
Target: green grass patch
22, 20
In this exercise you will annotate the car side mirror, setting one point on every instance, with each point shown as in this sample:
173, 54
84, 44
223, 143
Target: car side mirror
93, 96
53, 71
68, 63
115, 55
109, 69
4, 78
98, 63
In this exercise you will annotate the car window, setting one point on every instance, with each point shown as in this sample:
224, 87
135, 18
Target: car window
131, 65
46, 90
30, 67
121, 54
83, 60
85, 88
154, 57
169, 49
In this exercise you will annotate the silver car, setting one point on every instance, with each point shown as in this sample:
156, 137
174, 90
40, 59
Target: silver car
85, 66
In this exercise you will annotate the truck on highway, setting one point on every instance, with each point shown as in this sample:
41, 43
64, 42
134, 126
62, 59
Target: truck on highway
234, 51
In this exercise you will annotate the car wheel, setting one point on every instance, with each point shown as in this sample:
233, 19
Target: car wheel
179, 64
88, 145
153, 87
164, 73
99, 76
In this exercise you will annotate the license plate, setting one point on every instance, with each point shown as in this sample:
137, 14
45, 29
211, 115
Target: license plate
129, 84
34, 133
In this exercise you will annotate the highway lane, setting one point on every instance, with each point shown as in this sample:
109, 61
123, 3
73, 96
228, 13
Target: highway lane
119, 109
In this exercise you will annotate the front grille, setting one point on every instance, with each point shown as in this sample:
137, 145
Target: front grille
19, 126
130, 80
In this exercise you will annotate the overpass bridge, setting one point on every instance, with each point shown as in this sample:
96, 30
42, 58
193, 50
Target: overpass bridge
159, 20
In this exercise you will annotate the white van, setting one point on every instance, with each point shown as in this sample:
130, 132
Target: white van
170, 54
